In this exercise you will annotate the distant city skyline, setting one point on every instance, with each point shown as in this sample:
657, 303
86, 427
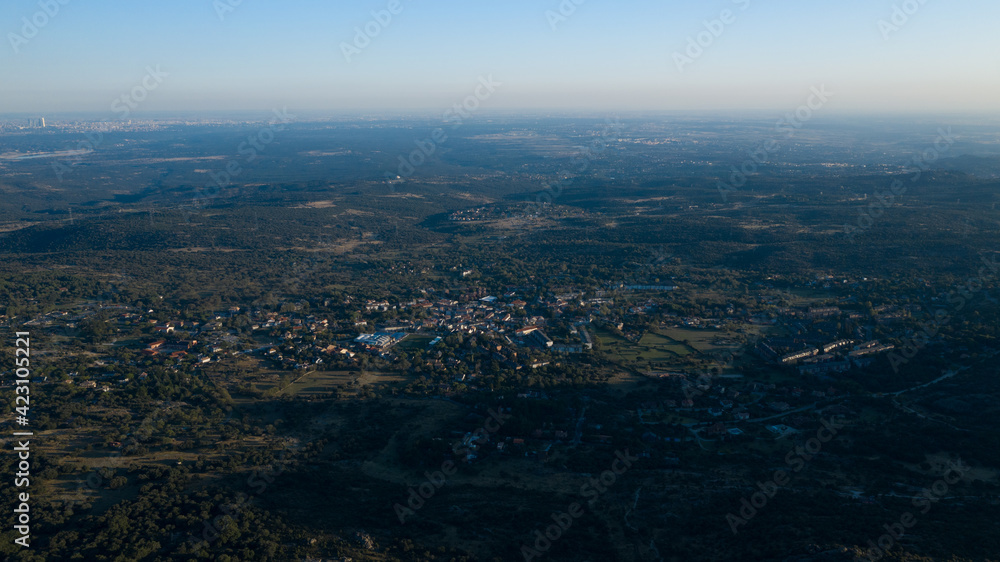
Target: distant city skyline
563, 55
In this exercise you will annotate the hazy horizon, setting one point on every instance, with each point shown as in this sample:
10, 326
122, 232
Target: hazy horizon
210, 55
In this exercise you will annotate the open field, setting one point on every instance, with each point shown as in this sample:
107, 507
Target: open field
663, 347
704, 341
416, 342
318, 383
651, 347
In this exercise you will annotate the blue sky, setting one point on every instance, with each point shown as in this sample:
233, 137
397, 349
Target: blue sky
605, 56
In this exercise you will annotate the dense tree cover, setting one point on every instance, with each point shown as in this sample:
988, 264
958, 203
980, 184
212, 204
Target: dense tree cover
174, 444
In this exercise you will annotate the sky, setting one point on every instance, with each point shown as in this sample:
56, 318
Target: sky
568, 55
